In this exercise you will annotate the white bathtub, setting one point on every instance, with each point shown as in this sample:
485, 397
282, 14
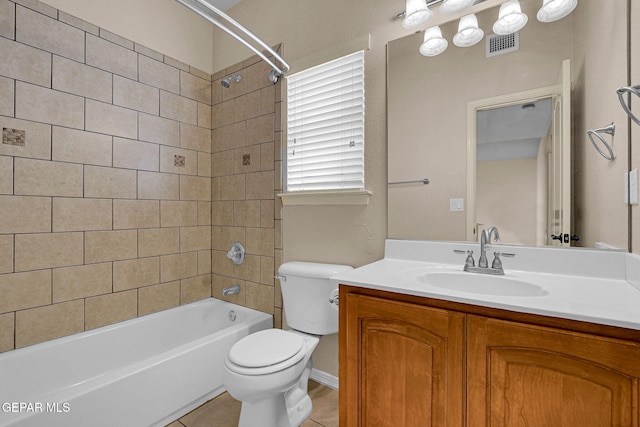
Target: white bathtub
147, 371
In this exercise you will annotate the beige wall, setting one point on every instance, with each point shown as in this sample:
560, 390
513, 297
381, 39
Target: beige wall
164, 25
105, 204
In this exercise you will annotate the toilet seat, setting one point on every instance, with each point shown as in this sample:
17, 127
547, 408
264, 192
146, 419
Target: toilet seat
265, 352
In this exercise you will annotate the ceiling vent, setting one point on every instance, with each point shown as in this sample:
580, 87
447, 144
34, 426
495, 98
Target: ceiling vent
497, 44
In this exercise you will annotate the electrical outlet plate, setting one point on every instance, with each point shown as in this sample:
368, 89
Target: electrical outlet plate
456, 205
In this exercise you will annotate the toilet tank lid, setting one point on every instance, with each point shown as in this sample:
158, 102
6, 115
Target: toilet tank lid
312, 269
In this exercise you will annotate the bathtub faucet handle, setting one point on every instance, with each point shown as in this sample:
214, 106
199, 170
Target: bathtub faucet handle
236, 253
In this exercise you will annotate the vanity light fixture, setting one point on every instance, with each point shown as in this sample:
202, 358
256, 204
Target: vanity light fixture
454, 6
510, 18
434, 44
468, 32
416, 14
552, 10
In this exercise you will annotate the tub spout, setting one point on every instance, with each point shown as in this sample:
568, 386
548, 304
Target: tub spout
231, 290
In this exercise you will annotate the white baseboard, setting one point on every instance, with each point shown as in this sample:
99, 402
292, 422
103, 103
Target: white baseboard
324, 378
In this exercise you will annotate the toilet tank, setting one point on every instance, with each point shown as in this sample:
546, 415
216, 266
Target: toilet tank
306, 289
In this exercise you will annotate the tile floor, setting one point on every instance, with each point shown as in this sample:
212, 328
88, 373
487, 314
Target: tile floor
224, 411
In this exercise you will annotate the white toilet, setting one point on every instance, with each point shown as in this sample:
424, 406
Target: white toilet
268, 370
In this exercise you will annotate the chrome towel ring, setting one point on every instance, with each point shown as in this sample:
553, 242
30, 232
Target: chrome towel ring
626, 106
609, 130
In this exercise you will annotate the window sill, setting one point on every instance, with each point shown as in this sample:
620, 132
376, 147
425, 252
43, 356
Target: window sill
327, 198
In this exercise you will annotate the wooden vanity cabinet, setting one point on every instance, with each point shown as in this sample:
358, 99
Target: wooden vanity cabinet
411, 361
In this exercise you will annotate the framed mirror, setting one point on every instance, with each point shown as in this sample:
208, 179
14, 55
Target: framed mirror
428, 118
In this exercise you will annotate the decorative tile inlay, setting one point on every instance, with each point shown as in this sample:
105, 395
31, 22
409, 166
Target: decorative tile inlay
179, 161
13, 137
246, 159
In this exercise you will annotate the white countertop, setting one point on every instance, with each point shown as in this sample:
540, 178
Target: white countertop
586, 285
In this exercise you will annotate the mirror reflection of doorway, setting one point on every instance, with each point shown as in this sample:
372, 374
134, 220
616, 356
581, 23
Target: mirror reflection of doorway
512, 170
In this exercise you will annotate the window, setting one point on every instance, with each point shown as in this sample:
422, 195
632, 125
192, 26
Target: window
325, 134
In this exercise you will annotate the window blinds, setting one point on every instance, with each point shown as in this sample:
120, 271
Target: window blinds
325, 134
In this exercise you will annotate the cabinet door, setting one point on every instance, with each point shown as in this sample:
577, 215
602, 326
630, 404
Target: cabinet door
521, 375
405, 364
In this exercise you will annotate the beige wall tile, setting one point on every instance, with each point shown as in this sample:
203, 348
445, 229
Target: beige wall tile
7, 20
27, 63
195, 87
199, 73
260, 297
7, 327
267, 156
78, 23
204, 115
135, 273
222, 163
175, 214
159, 130
260, 129
277, 238
38, 251
115, 38
222, 213
6, 175
277, 152
247, 106
233, 136
204, 262
246, 213
267, 99
267, 270
25, 290
195, 188
204, 164
257, 74
223, 114
178, 160
162, 186
178, 108
137, 96
81, 282
129, 214
40, 7
204, 213
109, 309
46, 323
79, 79
148, 52
260, 185
111, 57
180, 266
76, 146
267, 213
7, 95
260, 241
6, 253
220, 282
102, 246
246, 159
158, 241
109, 183
81, 214
195, 289
110, 119
19, 214
277, 176
195, 138
249, 269
223, 237
37, 138
49, 106
232, 187
175, 63
159, 75
132, 154
195, 238
220, 264
48, 34
43, 178
158, 297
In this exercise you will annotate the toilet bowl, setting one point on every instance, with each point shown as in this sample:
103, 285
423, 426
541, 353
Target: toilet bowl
269, 370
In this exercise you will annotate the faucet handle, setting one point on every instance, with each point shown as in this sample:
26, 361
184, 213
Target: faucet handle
469, 262
497, 262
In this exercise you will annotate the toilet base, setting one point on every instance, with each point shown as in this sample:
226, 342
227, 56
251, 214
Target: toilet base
288, 409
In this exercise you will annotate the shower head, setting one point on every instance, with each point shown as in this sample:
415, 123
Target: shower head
226, 82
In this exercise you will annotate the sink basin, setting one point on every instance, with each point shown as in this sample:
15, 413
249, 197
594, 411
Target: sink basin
482, 284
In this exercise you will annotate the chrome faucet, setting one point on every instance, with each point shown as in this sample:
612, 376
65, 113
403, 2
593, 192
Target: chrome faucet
483, 264
231, 290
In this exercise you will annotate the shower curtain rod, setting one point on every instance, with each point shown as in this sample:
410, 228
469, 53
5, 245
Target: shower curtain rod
209, 12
